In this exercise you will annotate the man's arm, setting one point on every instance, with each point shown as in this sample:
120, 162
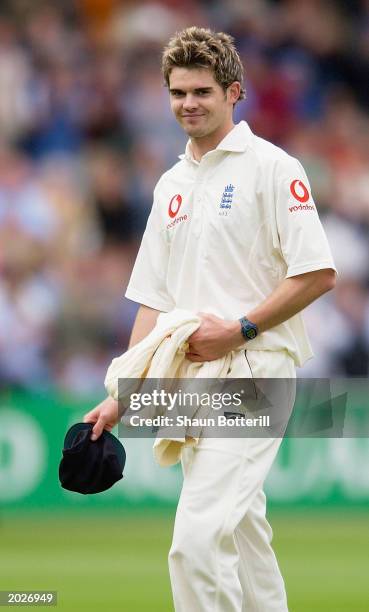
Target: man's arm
145, 322
105, 415
216, 337
292, 296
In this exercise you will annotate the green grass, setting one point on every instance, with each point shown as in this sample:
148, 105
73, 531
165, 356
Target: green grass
324, 560
111, 563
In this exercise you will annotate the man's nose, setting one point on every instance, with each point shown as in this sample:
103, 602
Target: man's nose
190, 102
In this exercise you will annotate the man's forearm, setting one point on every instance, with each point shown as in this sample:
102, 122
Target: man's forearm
144, 323
290, 297
216, 337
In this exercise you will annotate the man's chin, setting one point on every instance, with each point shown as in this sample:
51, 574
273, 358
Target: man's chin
194, 132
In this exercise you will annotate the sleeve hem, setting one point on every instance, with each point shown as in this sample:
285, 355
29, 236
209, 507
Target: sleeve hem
136, 296
311, 267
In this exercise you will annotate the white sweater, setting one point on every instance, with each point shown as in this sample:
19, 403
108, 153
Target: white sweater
162, 355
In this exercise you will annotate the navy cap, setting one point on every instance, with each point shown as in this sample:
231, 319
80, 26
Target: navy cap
87, 466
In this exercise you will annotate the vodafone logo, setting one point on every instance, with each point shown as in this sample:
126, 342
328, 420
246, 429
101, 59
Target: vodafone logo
174, 205
300, 194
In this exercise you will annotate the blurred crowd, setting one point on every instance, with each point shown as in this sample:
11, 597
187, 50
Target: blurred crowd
86, 131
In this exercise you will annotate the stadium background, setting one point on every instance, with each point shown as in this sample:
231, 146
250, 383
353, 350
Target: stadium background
85, 131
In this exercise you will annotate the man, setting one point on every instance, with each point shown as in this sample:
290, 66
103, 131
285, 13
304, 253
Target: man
233, 234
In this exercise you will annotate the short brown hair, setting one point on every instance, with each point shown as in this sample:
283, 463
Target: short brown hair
202, 48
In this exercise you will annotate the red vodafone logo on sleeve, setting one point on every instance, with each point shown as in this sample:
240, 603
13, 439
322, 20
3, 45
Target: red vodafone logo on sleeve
174, 205
299, 191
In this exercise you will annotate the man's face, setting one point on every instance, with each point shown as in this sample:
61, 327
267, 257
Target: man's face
199, 103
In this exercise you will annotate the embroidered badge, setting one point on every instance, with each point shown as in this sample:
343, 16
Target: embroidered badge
227, 197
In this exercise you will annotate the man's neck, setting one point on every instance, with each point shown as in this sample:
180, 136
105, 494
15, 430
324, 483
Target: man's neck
200, 146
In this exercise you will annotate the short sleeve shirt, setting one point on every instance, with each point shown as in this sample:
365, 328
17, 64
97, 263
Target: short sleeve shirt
224, 232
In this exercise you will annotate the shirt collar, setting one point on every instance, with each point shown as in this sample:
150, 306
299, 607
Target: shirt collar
237, 141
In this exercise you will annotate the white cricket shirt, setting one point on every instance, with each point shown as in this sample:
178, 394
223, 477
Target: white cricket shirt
225, 231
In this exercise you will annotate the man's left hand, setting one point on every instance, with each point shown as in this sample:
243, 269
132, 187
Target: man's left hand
214, 338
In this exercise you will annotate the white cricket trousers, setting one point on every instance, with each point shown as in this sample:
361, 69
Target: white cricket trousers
221, 559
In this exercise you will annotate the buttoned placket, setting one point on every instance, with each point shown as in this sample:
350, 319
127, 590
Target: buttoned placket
198, 200
202, 174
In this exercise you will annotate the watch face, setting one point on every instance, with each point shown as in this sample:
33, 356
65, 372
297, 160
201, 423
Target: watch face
251, 333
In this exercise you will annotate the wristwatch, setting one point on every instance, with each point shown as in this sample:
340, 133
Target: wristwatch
248, 329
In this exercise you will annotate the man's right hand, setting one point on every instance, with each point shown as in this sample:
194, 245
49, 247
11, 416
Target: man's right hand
104, 416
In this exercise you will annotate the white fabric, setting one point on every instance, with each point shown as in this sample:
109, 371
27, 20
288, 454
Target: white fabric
221, 559
225, 231
159, 355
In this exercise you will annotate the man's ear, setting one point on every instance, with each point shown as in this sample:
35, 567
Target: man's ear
234, 91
